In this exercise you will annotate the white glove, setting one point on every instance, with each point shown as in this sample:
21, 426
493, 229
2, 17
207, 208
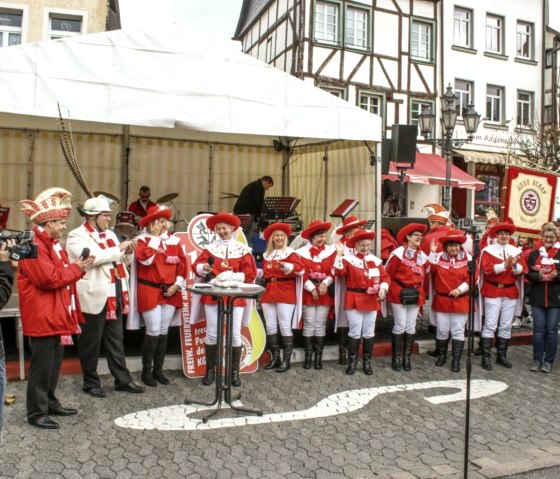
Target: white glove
227, 276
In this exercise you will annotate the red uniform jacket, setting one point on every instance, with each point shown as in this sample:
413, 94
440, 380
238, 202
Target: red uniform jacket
137, 208
318, 268
280, 284
406, 268
498, 282
449, 273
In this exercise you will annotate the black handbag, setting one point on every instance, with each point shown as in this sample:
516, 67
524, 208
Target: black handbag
409, 296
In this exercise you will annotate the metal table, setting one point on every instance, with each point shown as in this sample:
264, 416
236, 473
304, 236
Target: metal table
225, 298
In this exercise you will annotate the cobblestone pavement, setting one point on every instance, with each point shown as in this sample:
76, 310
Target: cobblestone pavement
398, 435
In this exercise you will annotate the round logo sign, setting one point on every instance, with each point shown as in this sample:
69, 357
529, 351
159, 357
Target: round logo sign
530, 202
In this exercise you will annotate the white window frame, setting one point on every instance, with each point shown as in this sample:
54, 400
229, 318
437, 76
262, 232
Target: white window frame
525, 108
528, 36
463, 27
48, 13
495, 34
416, 105
422, 40
496, 102
358, 25
369, 103
466, 95
339, 92
322, 19
16, 8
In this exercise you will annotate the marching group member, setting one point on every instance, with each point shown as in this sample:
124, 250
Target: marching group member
366, 285
317, 258
227, 259
160, 269
406, 267
501, 279
450, 300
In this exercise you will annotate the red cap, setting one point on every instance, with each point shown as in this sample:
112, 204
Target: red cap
409, 229
492, 232
270, 229
455, 236
223, 217
359, 236
348, 223
155, 212
315, 226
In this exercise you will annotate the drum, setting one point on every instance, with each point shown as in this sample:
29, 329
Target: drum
126, 224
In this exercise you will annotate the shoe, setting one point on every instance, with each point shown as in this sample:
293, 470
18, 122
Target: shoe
527, 321
131, 387
63, 411
97, 392
517, 323
44, 422
546, 367
535, 365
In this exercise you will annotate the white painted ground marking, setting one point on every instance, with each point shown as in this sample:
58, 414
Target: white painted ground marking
178, 418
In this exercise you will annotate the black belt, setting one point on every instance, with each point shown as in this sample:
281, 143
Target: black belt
275, 280
447, 295
357, 290
500, 285
163, 287
402, 285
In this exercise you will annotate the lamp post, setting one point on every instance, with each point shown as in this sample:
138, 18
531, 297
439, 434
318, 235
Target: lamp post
449, 113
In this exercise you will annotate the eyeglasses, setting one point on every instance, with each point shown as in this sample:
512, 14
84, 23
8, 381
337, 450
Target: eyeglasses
418, 235
552, 238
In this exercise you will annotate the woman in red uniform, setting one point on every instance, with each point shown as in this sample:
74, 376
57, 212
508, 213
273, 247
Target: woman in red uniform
161, 268
228, 259
366, 285
450, 300
317, 258
279, 302
406, 267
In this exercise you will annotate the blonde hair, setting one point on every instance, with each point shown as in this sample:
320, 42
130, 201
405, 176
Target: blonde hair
270, 246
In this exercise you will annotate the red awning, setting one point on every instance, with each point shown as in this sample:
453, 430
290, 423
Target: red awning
429, 169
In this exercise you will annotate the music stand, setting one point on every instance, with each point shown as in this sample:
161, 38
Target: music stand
246, 221
278, 207
369, 224
344, 208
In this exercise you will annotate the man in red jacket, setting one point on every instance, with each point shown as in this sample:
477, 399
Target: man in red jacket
49, 306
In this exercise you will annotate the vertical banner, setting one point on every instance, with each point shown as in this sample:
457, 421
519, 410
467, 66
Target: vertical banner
253, 337
530, 199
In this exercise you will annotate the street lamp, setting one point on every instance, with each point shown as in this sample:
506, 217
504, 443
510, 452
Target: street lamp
449, 113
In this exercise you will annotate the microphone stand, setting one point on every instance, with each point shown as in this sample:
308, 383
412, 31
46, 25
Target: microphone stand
470, 341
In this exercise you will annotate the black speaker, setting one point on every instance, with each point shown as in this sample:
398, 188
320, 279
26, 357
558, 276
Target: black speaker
403, 149
385, 155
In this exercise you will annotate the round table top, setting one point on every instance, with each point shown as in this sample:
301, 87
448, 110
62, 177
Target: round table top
247, 290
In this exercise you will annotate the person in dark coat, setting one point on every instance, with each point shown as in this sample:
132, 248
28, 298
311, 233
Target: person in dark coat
251, 198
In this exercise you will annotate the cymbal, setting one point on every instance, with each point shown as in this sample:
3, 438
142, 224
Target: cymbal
168, 197
108, 195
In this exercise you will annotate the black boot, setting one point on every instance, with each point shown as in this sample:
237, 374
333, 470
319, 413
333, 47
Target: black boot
367, 351
159, 358
211, 351
396, 340
486, 344
235, 363
408, 341
272, 341
441, 348
456, 352
308, 351
148, 350
352, 355
319, 346
343, 346
502, 345
287, 357
478, 351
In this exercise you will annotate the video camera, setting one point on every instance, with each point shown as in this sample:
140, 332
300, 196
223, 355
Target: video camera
468, 225
23, 247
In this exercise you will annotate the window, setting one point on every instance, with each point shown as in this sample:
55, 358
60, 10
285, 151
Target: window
421, 41
268, 51
416, 107
464, 89
338, 92
326, 22
524, 109
494, 34
356, 31
494, 103
10, 27
549, 58
462, 35
372, 103
61, 25
524, 46
489, 197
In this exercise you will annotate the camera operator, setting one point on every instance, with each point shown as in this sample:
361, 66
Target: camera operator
6, 282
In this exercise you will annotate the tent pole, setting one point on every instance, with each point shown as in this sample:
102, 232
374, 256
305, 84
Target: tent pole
378, 203
326, 193
124, 166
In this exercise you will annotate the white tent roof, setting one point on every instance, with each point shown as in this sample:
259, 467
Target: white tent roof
172, 79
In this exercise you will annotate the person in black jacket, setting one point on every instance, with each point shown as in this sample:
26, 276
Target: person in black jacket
544, 298
251, 198
6, 282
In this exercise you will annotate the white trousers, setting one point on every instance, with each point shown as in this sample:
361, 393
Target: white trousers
362, 323
495, 309
315, 320
211, 311
157, 320
278, 315
453, 323
404, 318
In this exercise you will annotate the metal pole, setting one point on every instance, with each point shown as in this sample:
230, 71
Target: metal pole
447, 191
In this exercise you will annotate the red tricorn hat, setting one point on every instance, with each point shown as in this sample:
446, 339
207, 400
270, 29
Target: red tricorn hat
359, 236
453, 236
348, 223
315, 226
409, 229
50, 204
155, 212
223, 217
436, 212
492, 232
270, 229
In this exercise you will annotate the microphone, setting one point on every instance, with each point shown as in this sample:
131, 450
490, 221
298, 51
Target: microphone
210, 276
